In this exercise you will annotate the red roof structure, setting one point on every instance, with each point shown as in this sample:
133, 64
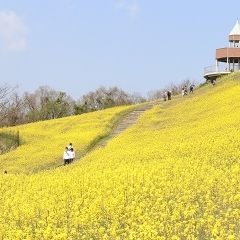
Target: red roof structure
229, 55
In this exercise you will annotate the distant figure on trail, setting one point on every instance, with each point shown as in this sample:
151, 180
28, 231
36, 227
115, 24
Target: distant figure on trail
213, 82
71, 155
66, 156
169, 94
183, 91
191, 88
164, 96
70, 146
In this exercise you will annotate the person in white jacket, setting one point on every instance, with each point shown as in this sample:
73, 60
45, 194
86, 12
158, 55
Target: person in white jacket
70, 146
71, 155
66, 156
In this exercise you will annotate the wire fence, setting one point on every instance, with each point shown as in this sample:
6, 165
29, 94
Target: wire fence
8, 140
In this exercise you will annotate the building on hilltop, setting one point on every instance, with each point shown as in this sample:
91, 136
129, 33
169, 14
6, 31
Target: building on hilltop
229, 55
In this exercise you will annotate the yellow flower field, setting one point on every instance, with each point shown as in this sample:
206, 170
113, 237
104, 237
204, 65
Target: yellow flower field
173, 175
44, 142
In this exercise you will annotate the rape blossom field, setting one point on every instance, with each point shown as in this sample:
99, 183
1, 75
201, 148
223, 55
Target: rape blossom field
45, 141
174, 175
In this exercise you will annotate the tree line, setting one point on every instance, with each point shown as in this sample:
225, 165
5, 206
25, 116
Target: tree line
46, 103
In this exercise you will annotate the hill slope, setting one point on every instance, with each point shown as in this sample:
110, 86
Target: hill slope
44, 142
173, 175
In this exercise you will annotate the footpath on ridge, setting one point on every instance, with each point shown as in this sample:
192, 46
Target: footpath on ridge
129, 120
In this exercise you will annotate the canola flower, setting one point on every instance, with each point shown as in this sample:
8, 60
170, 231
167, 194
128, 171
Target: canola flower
173, 175
44, 141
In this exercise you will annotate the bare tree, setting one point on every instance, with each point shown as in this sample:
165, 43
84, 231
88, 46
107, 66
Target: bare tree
102, 98
154, 95
46, 104
6, 100
137, 98
15, 111
177, 88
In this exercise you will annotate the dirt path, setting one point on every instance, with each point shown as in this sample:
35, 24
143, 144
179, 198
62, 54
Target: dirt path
129, 120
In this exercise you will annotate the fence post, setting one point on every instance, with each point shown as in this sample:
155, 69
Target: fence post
17, 137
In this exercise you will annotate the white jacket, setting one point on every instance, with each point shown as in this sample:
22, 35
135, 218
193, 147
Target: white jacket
66, 155
71, 154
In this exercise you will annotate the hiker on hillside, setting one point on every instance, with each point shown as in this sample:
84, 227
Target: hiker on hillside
66, 156
169, 94
185, 90
71, 155
213, 82
70, 146
191, 88
182, 92
164, 96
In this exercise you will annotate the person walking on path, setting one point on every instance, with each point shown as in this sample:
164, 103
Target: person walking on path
70, 146
169, 94
191, 88
213, 82
164, 96
183, 92
71, 155
66, 156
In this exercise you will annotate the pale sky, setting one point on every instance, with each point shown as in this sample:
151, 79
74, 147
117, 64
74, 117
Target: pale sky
76, 46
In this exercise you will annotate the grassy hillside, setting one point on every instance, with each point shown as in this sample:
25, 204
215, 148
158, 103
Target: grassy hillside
44, 142
174, 175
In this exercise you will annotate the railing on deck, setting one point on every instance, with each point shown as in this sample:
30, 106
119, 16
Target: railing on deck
214, 68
